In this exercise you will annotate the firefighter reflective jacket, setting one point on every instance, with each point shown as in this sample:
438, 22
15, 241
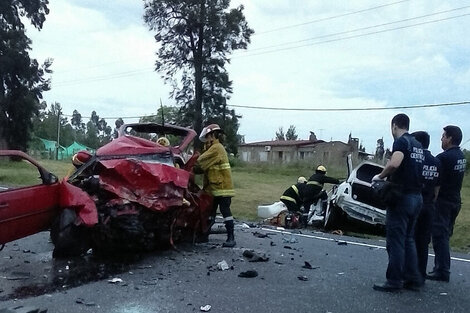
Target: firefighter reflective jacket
216, 168
315, 184
295, 194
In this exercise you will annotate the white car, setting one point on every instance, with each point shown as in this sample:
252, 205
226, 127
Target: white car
354, 198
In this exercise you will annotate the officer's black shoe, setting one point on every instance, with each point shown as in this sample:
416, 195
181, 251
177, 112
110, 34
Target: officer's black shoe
437, 276
386, 287
413, 286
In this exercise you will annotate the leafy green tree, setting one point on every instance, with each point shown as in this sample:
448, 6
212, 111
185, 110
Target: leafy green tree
195, 37
98, 132
46, 122
78, 126
280, 134
291, 133
22, 79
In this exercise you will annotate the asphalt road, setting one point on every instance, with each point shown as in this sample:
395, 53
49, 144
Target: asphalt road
340, 280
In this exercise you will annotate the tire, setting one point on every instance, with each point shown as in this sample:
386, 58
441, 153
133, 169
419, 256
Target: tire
333, 216
68, 238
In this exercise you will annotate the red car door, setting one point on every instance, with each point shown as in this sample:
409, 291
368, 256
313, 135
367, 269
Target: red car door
26, 209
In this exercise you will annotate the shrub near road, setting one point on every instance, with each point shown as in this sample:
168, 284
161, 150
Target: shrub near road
256, 185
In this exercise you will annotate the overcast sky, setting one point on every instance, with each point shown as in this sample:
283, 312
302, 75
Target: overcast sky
303, 55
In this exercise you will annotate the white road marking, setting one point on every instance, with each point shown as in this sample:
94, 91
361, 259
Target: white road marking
349, 242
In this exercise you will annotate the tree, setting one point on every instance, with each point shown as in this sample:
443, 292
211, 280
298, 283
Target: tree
379, 151
98, 133
195, 37
291, 133
280, 134
22, 79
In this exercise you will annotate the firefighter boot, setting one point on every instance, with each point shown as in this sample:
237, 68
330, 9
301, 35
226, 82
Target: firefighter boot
230, 243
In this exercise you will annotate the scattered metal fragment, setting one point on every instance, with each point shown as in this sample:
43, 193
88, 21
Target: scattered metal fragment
342, 243
87, 303
309, 266
272, 244
115, 280
337, 232
302, 278
248, 274
205, 308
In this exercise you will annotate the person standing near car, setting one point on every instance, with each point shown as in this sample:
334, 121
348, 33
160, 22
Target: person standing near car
448, 202
430, 176
404, 170
213, 162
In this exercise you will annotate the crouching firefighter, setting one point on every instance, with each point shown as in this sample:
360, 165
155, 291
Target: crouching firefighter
293, 197
214, 164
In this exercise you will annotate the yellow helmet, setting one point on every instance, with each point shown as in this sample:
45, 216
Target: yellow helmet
163, 141
301, 180
321, 168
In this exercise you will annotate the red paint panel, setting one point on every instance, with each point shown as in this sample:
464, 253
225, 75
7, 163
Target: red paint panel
26, 211
74, 197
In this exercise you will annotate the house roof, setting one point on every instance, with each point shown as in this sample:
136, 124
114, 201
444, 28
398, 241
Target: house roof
280, 143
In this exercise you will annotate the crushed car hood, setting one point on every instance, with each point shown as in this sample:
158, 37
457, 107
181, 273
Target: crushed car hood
153, 185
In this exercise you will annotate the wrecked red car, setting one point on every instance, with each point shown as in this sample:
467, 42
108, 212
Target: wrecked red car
136, 193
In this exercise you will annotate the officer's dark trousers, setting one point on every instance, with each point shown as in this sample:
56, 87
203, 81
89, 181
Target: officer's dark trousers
400, 225
423, 235
443, 226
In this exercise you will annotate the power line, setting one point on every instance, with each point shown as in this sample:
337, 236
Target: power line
328, 18
352, 37
357, 29
352, 109
256, 33
141, 71
310, 109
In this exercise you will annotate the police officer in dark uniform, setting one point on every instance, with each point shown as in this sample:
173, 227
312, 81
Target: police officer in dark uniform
404, 170
430, 176
448, 203
294, 196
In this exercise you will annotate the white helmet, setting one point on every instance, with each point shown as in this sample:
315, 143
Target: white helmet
207, 130
301, 180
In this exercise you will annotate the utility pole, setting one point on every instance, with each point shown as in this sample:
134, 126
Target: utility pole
58, 135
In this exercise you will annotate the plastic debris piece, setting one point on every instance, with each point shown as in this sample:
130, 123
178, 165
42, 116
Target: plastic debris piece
443, 294
222, 265
302, 278
248, 274
205, 308
115, 280
342, 243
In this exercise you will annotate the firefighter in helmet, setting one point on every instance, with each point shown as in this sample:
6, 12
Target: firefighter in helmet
315, 190
214, 164
293, 197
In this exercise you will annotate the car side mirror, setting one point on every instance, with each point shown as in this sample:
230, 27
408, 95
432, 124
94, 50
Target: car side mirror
50, 179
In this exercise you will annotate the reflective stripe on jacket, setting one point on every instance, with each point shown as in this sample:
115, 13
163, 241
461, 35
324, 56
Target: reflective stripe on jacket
217, 173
